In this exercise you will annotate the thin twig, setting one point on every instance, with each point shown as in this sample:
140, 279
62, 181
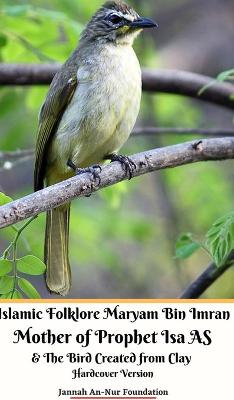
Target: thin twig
83, 185
17, 155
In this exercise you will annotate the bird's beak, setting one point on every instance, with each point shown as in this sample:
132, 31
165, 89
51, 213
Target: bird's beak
142, 23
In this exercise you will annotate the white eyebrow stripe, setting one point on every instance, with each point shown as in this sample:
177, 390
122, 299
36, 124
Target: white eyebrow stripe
129, 17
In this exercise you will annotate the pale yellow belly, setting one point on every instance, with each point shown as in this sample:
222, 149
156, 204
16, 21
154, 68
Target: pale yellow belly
97, 122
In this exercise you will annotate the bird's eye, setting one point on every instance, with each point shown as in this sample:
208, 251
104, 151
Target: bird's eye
115, 19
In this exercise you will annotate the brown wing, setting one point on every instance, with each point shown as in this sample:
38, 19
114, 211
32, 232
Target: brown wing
59, 96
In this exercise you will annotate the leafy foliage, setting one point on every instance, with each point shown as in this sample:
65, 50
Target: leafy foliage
28, 289
4, 199
29, 33
186, 246
6, 284
32, 33
5, 267
220, 239
11, 266
226, 76
31, 265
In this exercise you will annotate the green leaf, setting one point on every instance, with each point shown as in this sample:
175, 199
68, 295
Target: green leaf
6, 284
6, 296
224, 76
16, 11
28, 46
205, 87
4, 199
220, 239
186, 246
28, 289
17, 295
5, 267
3, 40
31, 265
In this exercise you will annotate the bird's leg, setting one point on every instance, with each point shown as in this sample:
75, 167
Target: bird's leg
126, 162
71, 165
94, 170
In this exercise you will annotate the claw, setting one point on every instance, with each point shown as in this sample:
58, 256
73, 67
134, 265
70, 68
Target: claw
126, 162
94, 170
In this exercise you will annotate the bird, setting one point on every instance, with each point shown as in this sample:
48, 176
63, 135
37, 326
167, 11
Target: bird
88, 114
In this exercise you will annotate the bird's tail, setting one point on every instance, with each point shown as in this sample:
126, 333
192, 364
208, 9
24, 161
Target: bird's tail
58, 276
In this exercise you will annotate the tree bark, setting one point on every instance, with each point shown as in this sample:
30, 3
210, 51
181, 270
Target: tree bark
206, 279
83, 185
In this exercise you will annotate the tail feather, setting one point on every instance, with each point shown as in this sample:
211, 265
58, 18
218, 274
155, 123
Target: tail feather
58, 276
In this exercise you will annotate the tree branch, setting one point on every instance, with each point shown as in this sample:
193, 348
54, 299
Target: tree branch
206, 279
27, 74
189, 84
153, 160
160, 81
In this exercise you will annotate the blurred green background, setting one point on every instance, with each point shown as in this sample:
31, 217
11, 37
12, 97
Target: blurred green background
122, 241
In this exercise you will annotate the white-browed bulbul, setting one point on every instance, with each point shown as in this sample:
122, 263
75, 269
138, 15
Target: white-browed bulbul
88, 114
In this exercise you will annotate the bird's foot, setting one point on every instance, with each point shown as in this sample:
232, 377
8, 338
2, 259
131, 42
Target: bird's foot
94, 170
128, 165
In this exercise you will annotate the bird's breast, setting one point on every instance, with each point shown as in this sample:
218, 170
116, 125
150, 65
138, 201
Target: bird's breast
111, 85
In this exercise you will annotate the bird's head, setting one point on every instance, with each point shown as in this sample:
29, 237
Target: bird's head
116, 22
